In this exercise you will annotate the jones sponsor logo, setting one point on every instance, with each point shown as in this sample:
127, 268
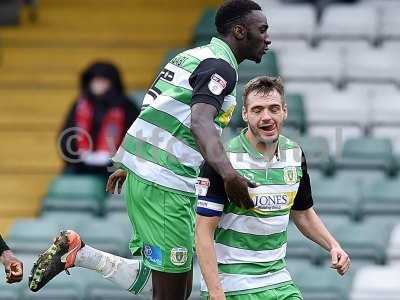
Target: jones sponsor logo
268, 202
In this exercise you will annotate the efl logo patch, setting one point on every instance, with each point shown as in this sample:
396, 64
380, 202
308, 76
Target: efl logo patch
179, 256
153, 254
217, 84
202, 186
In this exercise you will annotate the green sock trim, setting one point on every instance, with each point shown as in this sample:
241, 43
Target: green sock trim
141, 279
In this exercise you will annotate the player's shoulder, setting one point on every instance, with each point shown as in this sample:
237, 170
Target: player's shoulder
286, 143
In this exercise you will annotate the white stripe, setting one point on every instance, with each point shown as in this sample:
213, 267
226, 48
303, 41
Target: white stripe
228, 102
254, 225
236, 282
162, 139
201, 53
231, 255
174, 108
181, 76
274, 189
210, 205
155, 173
243, 161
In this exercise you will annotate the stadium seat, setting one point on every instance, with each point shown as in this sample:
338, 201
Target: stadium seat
338, 22
319, 282
316, 151
365, 240
205, 28
67, 219
268, 66
393, 250
76, 193
336, 195
105, 235
389, 132
31, 236
390, 22
299, 247
8, 292
296, 112
286, 25
368, 154
315, 65
382, 67
340, 108
376, 282
381, 197
115, 203
385, 107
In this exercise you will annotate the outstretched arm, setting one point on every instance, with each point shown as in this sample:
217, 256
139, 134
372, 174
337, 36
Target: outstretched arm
310, 225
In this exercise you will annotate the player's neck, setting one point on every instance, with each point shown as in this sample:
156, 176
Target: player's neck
232, 43
268, 150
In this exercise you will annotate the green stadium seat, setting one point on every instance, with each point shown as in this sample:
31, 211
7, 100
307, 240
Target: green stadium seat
32, 236
268, 66
299, 247
365, 240
8, 292
68, 219
107, 236
316, 151
368, 153
76, 193
319, 282
381, 197
296, 113
205, 28
137, 97
115, 203
336, 195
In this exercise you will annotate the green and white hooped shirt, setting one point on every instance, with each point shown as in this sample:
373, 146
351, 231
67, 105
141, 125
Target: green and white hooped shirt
159, 147
250, 245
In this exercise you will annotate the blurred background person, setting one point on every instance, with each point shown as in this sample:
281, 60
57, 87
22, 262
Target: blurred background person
97, 121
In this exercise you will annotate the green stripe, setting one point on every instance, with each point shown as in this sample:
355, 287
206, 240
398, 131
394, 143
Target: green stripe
286, 144
232, 208
190, 62
169, 123
156, 155
178, 93
275, 176
236, 146
249, 241
252, 268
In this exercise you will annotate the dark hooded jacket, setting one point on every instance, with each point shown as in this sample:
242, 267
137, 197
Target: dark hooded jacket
91, 114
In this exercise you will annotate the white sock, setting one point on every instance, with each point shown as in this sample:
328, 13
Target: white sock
119, 270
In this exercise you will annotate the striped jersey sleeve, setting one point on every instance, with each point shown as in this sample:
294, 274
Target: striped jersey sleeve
211, 192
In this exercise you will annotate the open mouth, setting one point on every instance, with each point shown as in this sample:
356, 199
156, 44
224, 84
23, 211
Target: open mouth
268, 129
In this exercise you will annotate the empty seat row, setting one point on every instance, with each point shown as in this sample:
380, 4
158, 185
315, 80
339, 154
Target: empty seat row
374, 23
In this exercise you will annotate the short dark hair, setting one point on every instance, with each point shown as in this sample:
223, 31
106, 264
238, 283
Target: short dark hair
232, 13
264, 85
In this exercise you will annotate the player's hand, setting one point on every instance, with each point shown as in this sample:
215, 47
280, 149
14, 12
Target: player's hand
236, 188
116, 179
13, 267
340, 260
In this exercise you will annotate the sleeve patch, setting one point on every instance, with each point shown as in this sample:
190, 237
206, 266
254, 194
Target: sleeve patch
217, 84
202, 186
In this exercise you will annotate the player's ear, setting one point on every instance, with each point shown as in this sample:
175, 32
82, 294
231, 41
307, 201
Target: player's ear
285, 111
239, 31
244, 114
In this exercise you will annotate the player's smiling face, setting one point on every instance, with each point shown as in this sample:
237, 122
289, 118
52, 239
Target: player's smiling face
257, 41
264, 114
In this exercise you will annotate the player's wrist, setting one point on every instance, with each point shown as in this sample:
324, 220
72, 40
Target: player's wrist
6, 255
